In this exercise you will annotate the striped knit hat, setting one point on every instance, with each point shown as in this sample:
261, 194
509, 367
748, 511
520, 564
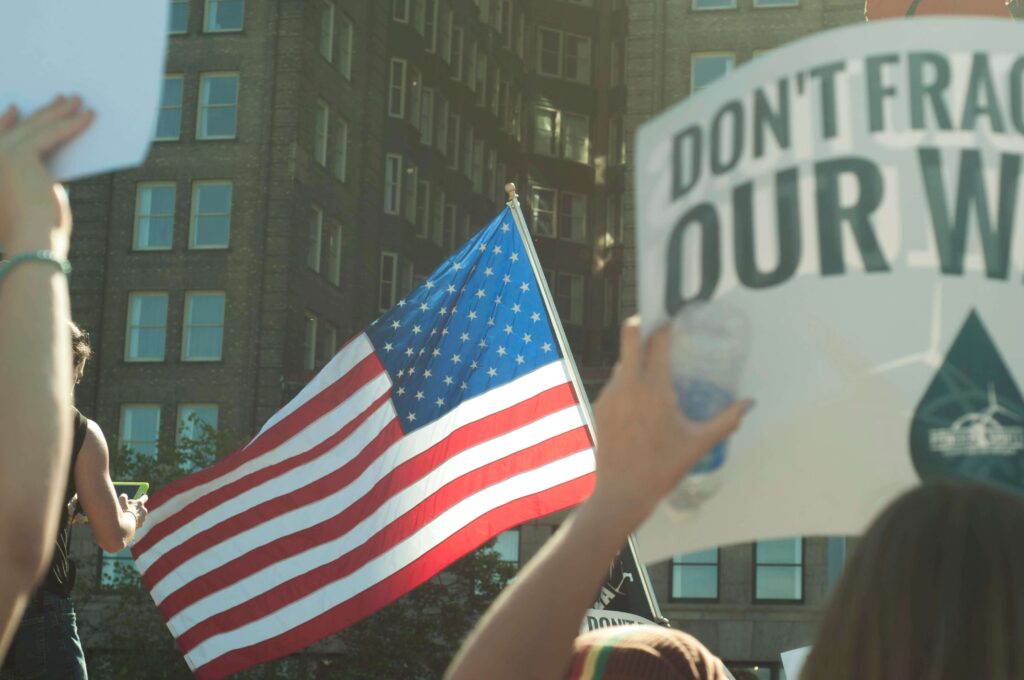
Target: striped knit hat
642, 653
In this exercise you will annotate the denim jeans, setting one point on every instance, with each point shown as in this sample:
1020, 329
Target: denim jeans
46, 644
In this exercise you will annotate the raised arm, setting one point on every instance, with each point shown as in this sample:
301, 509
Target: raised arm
35, 361
645, 446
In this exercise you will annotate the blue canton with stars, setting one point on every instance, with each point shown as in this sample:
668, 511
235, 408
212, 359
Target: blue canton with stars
477, 323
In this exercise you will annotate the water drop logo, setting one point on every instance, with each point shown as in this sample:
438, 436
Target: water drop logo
970, 423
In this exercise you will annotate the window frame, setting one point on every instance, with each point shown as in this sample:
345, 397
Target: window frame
187, 5
563, 137
393, 258
193, 406
589, 61
327, 21
801, 565
560, 195
309, 340
321, 132
187, 326
535, 206
316, 226
675, 562
180, 77
207, 17
399, 87
122, 440
139, 188
696, 56
335, 245
202, 107
405, 14
339, 163
695, 7
560, 52
194, 214
395, 186
346, 40
132, 295
789, 5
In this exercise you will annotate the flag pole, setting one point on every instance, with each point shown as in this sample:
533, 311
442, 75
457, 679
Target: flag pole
577, 381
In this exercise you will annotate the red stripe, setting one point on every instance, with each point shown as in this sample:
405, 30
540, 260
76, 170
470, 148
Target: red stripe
233, 489
390, 589
512, 418
249, 518
285, 429
394, 533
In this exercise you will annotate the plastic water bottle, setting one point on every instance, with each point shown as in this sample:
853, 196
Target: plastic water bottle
710, 344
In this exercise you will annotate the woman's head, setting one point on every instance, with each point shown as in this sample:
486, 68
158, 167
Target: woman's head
80, 351
935, 591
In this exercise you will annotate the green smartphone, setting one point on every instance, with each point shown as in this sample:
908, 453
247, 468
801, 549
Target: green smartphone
133, 490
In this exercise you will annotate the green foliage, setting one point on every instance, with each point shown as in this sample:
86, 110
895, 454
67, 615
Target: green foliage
414, 637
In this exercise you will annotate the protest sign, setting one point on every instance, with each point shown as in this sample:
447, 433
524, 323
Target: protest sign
625, 597
111, 53
856, 198
793, 661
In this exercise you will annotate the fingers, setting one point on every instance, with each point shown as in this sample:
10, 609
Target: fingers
8, 118
709, 433
123, 500
54, 124
630, 346
64, 130
142, 500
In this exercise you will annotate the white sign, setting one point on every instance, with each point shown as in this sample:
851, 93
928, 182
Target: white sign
110, 52
793, 661
604, 618
858, 197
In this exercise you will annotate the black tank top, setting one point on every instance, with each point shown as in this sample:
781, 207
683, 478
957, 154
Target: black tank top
60, 579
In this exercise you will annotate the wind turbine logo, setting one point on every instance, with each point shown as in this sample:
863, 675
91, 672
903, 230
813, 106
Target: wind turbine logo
930, 356
980, 433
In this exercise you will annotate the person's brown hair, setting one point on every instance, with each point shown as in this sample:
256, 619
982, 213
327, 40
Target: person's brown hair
935, 591
81, 350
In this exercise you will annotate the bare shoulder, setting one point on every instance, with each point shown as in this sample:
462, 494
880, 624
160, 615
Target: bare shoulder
95, 443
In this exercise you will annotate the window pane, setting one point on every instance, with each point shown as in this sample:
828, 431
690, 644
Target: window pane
776, 3
218, 106
714, 4
204, 326
224, 15
780, 551
195, 419
550, 52
577, 58
327, 30
140, 428
206, 309
345, 47
507, 546
544, 132
709, 68
544, 212
168, 122
709, 556
119, 569
340, 150
211, 215
572, 217
179, 16
154, 217
779, 583
147, 321
695, 582
575, 137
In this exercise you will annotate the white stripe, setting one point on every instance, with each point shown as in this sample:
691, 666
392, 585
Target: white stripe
428, 537
332, 423
393, 508
277, 487
343, 362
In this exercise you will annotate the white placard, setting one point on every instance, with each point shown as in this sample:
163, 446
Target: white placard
110, 52
887, 340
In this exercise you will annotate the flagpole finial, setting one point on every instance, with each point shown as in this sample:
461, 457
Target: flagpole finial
510, 189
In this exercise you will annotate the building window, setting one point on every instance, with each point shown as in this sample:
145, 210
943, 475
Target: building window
388, 280
545, 133
614, 220
340, 149
543, 211
415, 88
224, 15
323, 115
196, 422
577, 58
427, 117
616, 142
316, 232
411, 186
326, 342
396, 92
118, 569
452, 146
695, 575
572, 216
776, 3
549, 58
714, 4
204, 326
309, 343
154, 216
334, 235
218, 106
140, 428
346, 35
179, 17
393, 185
456, 60
168, 122
400, 11
708, 67
575, 138
327, 30
422, 217
507, 547
147, 327
779, 570
211, 215
430, 24
568, 294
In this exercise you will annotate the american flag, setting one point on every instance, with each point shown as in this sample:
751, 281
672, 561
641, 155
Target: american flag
452, 418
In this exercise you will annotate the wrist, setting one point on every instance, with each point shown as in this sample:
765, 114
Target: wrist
135, 517
39, 239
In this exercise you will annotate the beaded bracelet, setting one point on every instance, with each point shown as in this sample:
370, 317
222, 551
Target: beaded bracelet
35, 256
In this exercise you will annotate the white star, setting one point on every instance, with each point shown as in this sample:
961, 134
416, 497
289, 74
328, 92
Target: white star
504, 227
455, 309
401, 373
483, 247
497, 299
464, 337
433, 332
444, 332
412, 370
527, 338
401, 391
514, 257
429, 284
535, 317
448, 380
481, 293
516, 308
506, 278
520, 360
408, 351
525, 287
396, 324
492, 372
401, 303
471, 315
546, 347
457, 266
496, 250
388, 347
508, 330
419, 396
474, 365
488, 272
502, 351
436, 352
451, 288
422, 350
416, 329
439, 401
482, 344
423, 307
442, 311
456, 359
411, 416
464, 385
427, 373
490, 322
